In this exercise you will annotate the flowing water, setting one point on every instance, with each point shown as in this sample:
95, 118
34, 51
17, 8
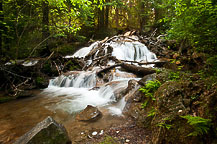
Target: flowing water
68, 94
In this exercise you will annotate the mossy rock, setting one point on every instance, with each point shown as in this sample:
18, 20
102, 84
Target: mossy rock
41, 82
4, 99
47, 132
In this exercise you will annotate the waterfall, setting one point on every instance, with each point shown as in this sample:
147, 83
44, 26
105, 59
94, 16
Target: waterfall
84, 51
81, 88
132, 51
81, 80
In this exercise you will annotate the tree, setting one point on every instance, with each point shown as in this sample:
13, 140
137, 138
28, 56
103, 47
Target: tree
1, 25
45, 28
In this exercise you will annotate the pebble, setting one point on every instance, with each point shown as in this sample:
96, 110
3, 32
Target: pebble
117, 132
180, 111
82, 133
101, 132
94, 133
127, 140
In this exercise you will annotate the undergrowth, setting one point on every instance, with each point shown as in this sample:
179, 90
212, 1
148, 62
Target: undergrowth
149, 89
200, 125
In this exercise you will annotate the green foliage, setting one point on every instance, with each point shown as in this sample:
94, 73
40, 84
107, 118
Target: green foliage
71, 66
174, 76
212, 63
152, 112
201, 126
194, 21
109, 140
158, 71
150, 88
143, 105
6, 99
46, 68
39, 80
164, 125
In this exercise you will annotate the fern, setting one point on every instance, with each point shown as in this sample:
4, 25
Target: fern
201, 126
150, 88
152, 112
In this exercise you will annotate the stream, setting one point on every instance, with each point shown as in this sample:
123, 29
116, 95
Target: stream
71, 92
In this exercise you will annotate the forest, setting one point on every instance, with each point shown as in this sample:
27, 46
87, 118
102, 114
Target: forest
173, 101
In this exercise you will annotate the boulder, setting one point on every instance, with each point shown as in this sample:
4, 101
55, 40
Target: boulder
47, 132
146, 78
89, 114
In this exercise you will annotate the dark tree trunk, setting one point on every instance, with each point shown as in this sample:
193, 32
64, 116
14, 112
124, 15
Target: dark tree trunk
101, 18
117, 17
45, 28
142, 17
158, 15
1, 26
107, 15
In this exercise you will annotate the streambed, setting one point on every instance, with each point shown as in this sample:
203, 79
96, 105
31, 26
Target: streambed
70, 93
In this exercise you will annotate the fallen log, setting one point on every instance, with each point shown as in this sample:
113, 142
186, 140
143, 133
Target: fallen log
99, 73
157, 63
137, 70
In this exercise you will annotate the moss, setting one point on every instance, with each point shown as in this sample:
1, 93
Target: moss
41, 82
109, 140
6, 99
64, 49
71, 66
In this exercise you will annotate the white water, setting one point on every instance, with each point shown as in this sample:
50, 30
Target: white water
84, 51
76, 99
132, 51
81, 80
76, 89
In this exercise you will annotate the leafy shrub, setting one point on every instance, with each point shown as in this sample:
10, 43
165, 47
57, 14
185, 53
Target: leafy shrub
201, 126
152, 112
174, 76
150, 88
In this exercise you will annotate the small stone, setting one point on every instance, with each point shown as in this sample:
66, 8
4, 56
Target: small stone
101, 132
94, 133
89, 114
117, 132
82, 133
180, 111
127, 140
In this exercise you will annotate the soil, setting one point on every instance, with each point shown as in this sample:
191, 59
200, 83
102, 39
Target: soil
127, 133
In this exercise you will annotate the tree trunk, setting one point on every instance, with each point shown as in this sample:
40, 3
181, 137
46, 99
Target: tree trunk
142, 17
45, 28
117, 17
107, 15
1, 26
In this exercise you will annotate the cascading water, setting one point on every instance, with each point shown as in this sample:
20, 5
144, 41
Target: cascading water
132, 51
78, 88
73, 91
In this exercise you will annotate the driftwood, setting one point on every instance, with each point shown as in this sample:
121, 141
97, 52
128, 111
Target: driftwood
137, 70
99, 73
157, 63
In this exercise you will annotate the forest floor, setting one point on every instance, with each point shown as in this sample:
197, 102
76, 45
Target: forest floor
127, 133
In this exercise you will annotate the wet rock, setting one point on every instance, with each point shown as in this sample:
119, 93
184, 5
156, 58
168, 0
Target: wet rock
48, 132
4, 99
132, 92
41, 82
146, 78
89, 114
25, 94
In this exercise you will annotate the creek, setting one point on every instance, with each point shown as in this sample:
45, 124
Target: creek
71, 92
